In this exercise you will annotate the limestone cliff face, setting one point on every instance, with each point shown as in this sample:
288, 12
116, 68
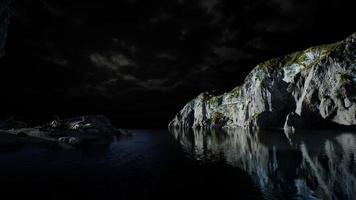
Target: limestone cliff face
312, 87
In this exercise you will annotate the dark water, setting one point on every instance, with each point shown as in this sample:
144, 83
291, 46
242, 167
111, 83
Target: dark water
187, 164
303, 165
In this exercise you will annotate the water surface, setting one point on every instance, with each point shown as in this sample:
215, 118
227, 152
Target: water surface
303, 165
185, 164
150, 164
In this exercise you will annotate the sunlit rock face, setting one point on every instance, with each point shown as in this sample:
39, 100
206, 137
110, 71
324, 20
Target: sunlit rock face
293, 167
317, 86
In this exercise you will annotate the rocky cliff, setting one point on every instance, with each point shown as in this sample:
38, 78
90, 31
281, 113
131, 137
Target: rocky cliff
314, 87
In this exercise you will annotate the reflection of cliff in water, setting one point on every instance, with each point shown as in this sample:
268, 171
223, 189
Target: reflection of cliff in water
306, 165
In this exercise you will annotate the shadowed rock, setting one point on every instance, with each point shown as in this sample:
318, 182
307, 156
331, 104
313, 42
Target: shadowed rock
73, 131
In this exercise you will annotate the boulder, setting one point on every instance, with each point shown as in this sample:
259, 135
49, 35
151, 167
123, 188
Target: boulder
91, 124
69, 140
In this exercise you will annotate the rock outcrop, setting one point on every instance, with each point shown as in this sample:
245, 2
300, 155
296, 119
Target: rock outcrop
314, 87
72, 131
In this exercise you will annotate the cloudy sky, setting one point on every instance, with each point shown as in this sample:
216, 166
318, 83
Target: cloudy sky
139, 61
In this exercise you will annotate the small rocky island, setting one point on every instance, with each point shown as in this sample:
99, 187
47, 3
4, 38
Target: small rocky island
69, 132
314, 88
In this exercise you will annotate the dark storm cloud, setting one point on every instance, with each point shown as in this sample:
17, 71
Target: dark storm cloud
160, 18
53, 9
120, 70
115, 53
230, 33
225, 53
258, 44
209, 5
271, 26
285, 6
112, 61
4, 22
56, 60
247, 32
